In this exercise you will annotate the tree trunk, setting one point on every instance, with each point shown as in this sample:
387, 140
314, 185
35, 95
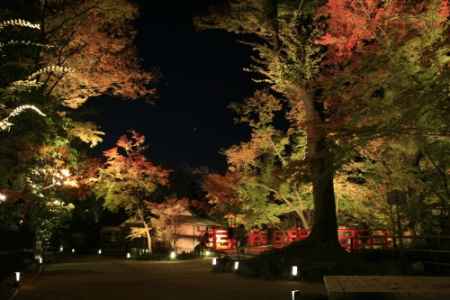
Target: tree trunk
147, 230
324, 230
320, 159
149, 237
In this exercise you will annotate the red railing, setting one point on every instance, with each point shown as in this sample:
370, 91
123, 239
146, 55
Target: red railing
351, 239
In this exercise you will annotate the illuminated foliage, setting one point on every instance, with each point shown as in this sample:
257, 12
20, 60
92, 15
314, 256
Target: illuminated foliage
127, 180
223, 195
349, 72
79, 49
95, 40
166, 216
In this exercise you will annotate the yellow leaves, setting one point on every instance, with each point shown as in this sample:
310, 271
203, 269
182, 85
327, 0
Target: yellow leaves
6, 124
96, 40
87, 132
137, 232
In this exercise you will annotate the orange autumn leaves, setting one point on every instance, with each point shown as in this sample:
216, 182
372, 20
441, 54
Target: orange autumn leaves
95, 40
127, 161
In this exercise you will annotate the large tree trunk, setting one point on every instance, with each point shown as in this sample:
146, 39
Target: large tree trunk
320, 159
324, 230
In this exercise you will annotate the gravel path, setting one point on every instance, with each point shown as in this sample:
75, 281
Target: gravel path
178, 280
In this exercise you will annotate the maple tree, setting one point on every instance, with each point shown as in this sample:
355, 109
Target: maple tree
350, 72
94, 41
127, 180
165, 218
267, 183
223, 196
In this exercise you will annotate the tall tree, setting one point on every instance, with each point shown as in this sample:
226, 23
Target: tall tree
340, 66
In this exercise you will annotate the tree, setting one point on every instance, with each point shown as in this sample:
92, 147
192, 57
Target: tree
32, 177
94, 40
222, 194
128, 180
165, 218
350, 72
268, 179
57, 62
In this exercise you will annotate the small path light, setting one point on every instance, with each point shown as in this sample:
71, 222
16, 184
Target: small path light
207, 253
294, 294
214, 261
294, 271
39, 259
128, 255
73, 250
18, 275
3, 198
99, 251
173, 255
236, 265
61, 249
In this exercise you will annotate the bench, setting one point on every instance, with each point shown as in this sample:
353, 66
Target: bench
387, 287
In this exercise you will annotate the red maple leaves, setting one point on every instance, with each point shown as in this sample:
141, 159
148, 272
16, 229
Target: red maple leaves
352, 25
127, 160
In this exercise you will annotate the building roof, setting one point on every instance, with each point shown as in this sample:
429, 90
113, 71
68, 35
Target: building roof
196, 221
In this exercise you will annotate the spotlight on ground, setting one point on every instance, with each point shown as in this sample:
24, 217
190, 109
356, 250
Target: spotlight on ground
236, 265
18, 277
73, 250
173, 255
61, 249
39, 259
294, 294
207, 253
99, 251
294, 271
128, 255
214, 261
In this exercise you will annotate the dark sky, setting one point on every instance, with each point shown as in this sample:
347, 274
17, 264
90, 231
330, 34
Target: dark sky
201, 75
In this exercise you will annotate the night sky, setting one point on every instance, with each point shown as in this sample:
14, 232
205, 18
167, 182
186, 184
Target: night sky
201, 75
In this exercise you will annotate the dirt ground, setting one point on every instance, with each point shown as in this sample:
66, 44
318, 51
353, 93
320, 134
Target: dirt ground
97, 279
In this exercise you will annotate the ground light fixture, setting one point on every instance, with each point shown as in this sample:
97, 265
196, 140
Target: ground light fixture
236, 265
294, 294
3, 198
39, 259
207, 253
294, 271
99, 251
214, 261
173, 255
18, 277
61, 249
73, 250
128, 255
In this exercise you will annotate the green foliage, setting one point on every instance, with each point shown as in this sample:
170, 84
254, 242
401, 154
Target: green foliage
128, 178
49, 219
364, 86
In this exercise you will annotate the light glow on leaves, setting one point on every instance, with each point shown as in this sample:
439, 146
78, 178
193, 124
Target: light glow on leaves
6, 124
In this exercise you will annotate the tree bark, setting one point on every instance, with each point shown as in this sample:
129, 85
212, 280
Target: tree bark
147, 230
320, 159
149, 237
324, 228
